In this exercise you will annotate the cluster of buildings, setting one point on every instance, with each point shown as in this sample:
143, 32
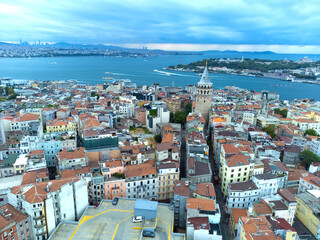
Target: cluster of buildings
68, 150
305, 70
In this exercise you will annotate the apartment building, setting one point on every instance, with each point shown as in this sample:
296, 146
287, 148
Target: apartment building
141, 181
241, 194
168, 173
49, 203
236, 168
67, 159
14, 224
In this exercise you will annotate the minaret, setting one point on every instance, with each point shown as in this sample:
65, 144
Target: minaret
204, 92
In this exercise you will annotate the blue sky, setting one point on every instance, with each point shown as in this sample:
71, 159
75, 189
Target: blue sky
250, 24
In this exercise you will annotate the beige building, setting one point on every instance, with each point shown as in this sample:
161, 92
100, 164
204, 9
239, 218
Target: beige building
236, 168
168, 173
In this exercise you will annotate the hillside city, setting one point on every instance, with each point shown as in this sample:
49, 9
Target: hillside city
303, 70
117, 161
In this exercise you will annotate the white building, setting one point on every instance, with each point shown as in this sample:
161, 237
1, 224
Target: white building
158, 114
315, 147
268, 183
48, 203
167, 150
309, 183
241, 194
141, 181
249, 117
305, 124
283, 205
28, 143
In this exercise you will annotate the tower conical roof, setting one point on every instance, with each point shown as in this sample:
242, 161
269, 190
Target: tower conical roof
205, 79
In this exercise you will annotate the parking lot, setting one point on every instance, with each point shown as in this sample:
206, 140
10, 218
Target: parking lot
115, 223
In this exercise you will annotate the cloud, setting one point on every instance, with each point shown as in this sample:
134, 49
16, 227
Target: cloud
232, 22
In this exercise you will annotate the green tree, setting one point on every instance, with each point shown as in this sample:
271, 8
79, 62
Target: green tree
270, 130
188, 108
13, 96
1, 90
93, 94
180, 117
11, 91
308, 157
7, 90
172, 117
310, 132
284, 113
158, 138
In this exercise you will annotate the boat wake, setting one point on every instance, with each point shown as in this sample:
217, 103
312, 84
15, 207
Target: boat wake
171, 73
118, 74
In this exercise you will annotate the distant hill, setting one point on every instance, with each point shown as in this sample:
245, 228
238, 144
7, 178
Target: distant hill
233, 51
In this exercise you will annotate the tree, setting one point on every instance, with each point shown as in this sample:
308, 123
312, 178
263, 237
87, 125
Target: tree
93, 94
308, 157
282, 112
7, 90
270, 130
171, 117
11, 91
158, 138
180, 117
1, 90
310, 132
188, 108
13, 96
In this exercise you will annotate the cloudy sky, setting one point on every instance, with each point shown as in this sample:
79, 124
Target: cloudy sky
278, 25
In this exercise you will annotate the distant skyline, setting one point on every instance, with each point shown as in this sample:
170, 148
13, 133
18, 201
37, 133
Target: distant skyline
287, 26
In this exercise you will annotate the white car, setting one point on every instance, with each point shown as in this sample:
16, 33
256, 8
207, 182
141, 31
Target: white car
137, 219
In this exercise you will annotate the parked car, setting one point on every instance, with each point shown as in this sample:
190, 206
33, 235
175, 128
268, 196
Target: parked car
137, 219
148, 234
115, 201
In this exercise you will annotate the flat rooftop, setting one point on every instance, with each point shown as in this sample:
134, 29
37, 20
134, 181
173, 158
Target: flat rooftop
115, 223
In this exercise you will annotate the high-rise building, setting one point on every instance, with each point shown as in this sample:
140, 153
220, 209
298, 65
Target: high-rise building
204, 91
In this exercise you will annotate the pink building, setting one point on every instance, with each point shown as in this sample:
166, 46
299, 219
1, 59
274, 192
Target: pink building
141, 115
111, 167
114, 187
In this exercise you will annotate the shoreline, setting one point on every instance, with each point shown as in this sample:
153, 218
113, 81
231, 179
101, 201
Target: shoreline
246, 75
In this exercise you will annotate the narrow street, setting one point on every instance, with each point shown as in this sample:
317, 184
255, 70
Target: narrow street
224, 223
183, 154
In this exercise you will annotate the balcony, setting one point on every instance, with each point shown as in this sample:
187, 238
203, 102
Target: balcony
38, 217
40, 225
114, 188
41, 234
